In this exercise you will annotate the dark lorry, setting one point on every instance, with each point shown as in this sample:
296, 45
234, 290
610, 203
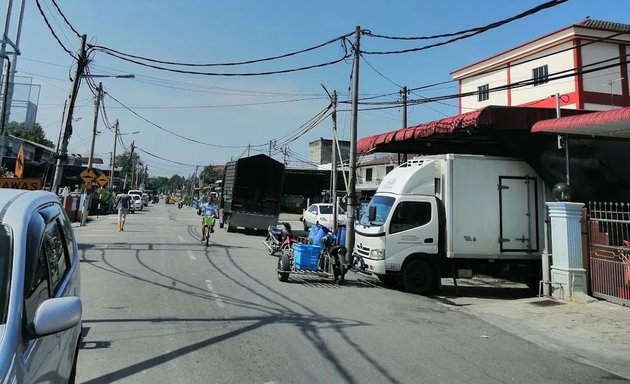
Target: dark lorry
252, 189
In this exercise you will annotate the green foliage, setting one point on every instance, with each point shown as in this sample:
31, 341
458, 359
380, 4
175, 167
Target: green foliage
210, 175
36, 135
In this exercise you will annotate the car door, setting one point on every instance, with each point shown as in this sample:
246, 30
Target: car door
49, 358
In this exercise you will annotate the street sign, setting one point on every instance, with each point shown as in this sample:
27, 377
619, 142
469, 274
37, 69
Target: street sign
102, 180
88, 175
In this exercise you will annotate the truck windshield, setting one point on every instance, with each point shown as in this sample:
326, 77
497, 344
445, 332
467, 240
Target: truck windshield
383, 205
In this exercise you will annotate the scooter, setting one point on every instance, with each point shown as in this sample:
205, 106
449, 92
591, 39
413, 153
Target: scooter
281, 237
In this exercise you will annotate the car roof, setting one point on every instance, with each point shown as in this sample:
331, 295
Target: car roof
17, 204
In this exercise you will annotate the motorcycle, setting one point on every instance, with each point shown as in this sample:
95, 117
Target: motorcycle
281, 237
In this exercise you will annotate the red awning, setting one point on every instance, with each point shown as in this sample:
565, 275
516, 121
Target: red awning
491, 118
613, 123
446, 125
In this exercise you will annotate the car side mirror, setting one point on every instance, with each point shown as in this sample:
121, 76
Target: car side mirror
372, 213
57, 314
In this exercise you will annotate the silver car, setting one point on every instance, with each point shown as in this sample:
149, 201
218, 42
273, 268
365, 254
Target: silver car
40, 308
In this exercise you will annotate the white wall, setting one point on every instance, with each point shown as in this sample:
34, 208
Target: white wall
556, 63
471, 84
598, 81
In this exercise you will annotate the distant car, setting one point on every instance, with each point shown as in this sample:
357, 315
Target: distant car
40, 305
322, 213
145, 199
136, 203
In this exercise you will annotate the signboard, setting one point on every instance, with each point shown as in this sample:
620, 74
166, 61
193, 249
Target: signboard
19, 163
88, 175
102, 180
15, 183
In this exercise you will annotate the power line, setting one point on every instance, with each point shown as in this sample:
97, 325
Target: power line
173, 133
65, 19
253, 61
461, 34
167, 160
41, 11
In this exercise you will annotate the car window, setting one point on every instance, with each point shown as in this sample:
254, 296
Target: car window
313, 209
325, 209
68, 235
56, 254
410, 214
6, 255
37, 290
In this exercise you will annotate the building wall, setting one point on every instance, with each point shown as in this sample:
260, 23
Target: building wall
320, 151
494, 79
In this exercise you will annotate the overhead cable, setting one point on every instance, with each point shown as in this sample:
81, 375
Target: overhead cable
41, 11
471, 33
167, 160
66, 19
253, 61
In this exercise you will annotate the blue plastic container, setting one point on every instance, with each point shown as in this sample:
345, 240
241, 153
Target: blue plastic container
341, 236
306, 256
321, 232
312, 231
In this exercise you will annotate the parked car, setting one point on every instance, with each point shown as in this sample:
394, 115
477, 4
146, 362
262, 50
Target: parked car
322, 213
40, 305
145, 199
136, 203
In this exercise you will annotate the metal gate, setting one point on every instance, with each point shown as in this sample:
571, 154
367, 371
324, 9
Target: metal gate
609, 251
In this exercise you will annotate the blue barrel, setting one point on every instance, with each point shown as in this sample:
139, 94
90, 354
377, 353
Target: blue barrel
341, 236
319, 235
312, 231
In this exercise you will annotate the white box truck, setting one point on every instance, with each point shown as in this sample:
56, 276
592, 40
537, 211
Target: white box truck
453, 215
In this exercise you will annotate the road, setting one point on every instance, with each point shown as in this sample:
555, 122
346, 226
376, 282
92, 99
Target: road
160, 307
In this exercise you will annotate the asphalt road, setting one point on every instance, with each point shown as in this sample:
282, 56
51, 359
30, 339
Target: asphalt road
160, 307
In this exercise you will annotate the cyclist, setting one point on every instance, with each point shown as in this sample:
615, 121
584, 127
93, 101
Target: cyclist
209, 212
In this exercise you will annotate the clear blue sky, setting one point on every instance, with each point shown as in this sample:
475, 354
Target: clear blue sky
233, 112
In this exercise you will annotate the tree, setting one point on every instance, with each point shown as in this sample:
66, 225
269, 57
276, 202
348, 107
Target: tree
126, 163
36, 135
210, 174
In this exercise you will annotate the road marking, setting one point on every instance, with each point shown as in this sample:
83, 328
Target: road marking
214, 294
181, 239
191, 255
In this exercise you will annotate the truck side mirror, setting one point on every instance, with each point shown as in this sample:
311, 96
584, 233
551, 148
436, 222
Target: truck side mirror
372, 213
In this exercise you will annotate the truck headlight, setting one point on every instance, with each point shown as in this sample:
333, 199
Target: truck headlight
377, 254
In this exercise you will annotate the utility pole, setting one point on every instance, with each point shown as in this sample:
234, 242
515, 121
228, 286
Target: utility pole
97, 105
62, 153
5, 103
333, 165
113, 167
353, 148
132, 166
404, 115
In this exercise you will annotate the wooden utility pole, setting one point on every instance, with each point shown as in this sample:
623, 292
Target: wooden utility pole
62, 153
333, 170
97, 105
404, 93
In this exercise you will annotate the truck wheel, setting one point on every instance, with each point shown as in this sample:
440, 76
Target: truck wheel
284, 264
418, 276
229, 227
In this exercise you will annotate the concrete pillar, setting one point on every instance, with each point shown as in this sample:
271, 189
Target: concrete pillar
568, 276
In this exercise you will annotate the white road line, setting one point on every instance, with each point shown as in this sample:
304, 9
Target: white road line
191, 255
181, 239
214, 294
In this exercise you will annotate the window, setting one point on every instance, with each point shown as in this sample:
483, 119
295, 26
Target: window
37, 289
368, 174
540, 75
56, 253
483, 92
409, 215
388, 169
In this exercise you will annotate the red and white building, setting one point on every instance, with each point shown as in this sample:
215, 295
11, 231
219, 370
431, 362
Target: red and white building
586, 63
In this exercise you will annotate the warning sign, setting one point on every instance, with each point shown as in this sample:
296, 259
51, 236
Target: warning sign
88, 175
102, 180
15, 183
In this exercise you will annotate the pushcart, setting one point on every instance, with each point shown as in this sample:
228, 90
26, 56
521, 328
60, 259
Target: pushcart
305, 259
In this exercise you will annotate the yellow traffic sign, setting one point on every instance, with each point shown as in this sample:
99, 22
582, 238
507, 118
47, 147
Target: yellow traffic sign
102, 180
88, 175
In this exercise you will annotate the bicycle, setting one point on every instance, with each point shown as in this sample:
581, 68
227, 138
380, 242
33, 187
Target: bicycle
208, 223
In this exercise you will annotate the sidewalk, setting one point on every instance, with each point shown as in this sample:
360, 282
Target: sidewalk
596, 333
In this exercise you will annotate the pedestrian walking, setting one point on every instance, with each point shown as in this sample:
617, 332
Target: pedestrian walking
122, 204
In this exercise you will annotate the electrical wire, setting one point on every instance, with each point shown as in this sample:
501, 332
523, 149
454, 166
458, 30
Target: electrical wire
167, 160
173, 133
244, 74
474, 32
66, 19
120, 54
41, 11
496, 24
